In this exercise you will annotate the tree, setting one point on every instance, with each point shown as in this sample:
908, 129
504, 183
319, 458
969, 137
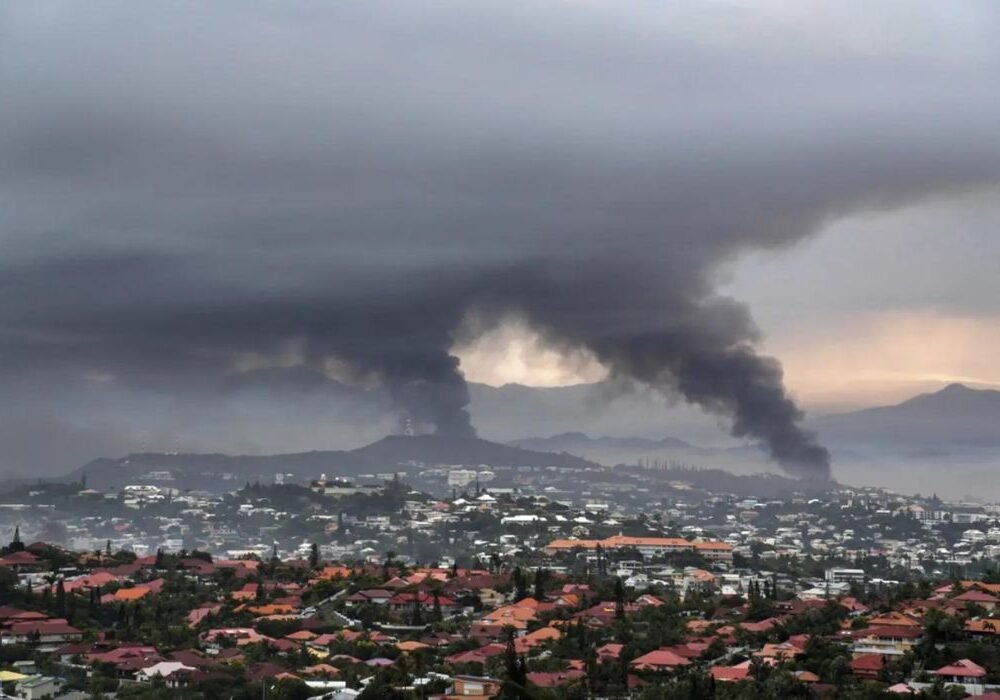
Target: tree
515, 672
380, 689
386, 567
520, 584
290, 689
60, 599
314, 556
619, 599
418, 611
541, 577
16, 545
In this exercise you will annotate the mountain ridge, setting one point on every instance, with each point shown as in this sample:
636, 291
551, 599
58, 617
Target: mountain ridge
212, 470
954, 415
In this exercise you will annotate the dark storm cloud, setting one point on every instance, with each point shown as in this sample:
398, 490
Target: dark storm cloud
184, 184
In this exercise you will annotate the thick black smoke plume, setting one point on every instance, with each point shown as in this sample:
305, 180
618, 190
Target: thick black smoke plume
185, 187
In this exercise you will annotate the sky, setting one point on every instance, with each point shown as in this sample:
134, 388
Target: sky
885, 306
750, 207
888, 305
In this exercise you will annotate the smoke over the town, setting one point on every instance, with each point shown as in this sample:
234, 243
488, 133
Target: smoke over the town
185, 185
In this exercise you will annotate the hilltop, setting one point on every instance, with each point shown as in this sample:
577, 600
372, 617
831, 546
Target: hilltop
220, 471
957, 415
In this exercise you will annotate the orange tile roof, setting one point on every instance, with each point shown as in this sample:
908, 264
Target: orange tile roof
983, 626
893, 619
301, 636
129, 594
331, 572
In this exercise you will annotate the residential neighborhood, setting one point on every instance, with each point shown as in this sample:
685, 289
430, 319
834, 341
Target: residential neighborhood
398, 592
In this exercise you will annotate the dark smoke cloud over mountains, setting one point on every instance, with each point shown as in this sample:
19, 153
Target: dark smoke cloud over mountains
189, 189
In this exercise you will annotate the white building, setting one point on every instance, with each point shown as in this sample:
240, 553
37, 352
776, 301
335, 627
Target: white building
839, 575
460, 478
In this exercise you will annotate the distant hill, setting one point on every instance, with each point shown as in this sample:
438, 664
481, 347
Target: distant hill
567, 442
955, 416
435, 449
513, 411
225, 472
612, 450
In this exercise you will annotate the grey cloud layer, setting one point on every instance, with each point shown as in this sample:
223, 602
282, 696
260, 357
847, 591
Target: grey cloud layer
183, 183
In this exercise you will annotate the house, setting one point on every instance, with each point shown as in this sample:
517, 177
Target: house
320, 671
490, 597
783, 651
238, 635
853, 606
731, 674
193, 658
373, 596
127, 660
977, 597
406, 601
807, 677
555, 679
512, 615
983, 628
330, 573
888, 641
479, 656
8, 612
126, 595
55, 631
21, 561
471, 688
893, 619
963, 672
301, 636
484, 632
609, 652
867, 666
162, 669
522, 645
37, 687
195, 617
662, 660
760, 626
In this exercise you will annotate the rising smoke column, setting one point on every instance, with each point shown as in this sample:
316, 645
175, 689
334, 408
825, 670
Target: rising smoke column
358, 178
675, 337
728, 379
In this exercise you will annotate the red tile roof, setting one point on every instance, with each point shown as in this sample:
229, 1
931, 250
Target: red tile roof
555, 679
659, 659
730, 673
963, 668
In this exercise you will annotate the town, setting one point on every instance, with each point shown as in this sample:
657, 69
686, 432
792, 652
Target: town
442, 581
453, 350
